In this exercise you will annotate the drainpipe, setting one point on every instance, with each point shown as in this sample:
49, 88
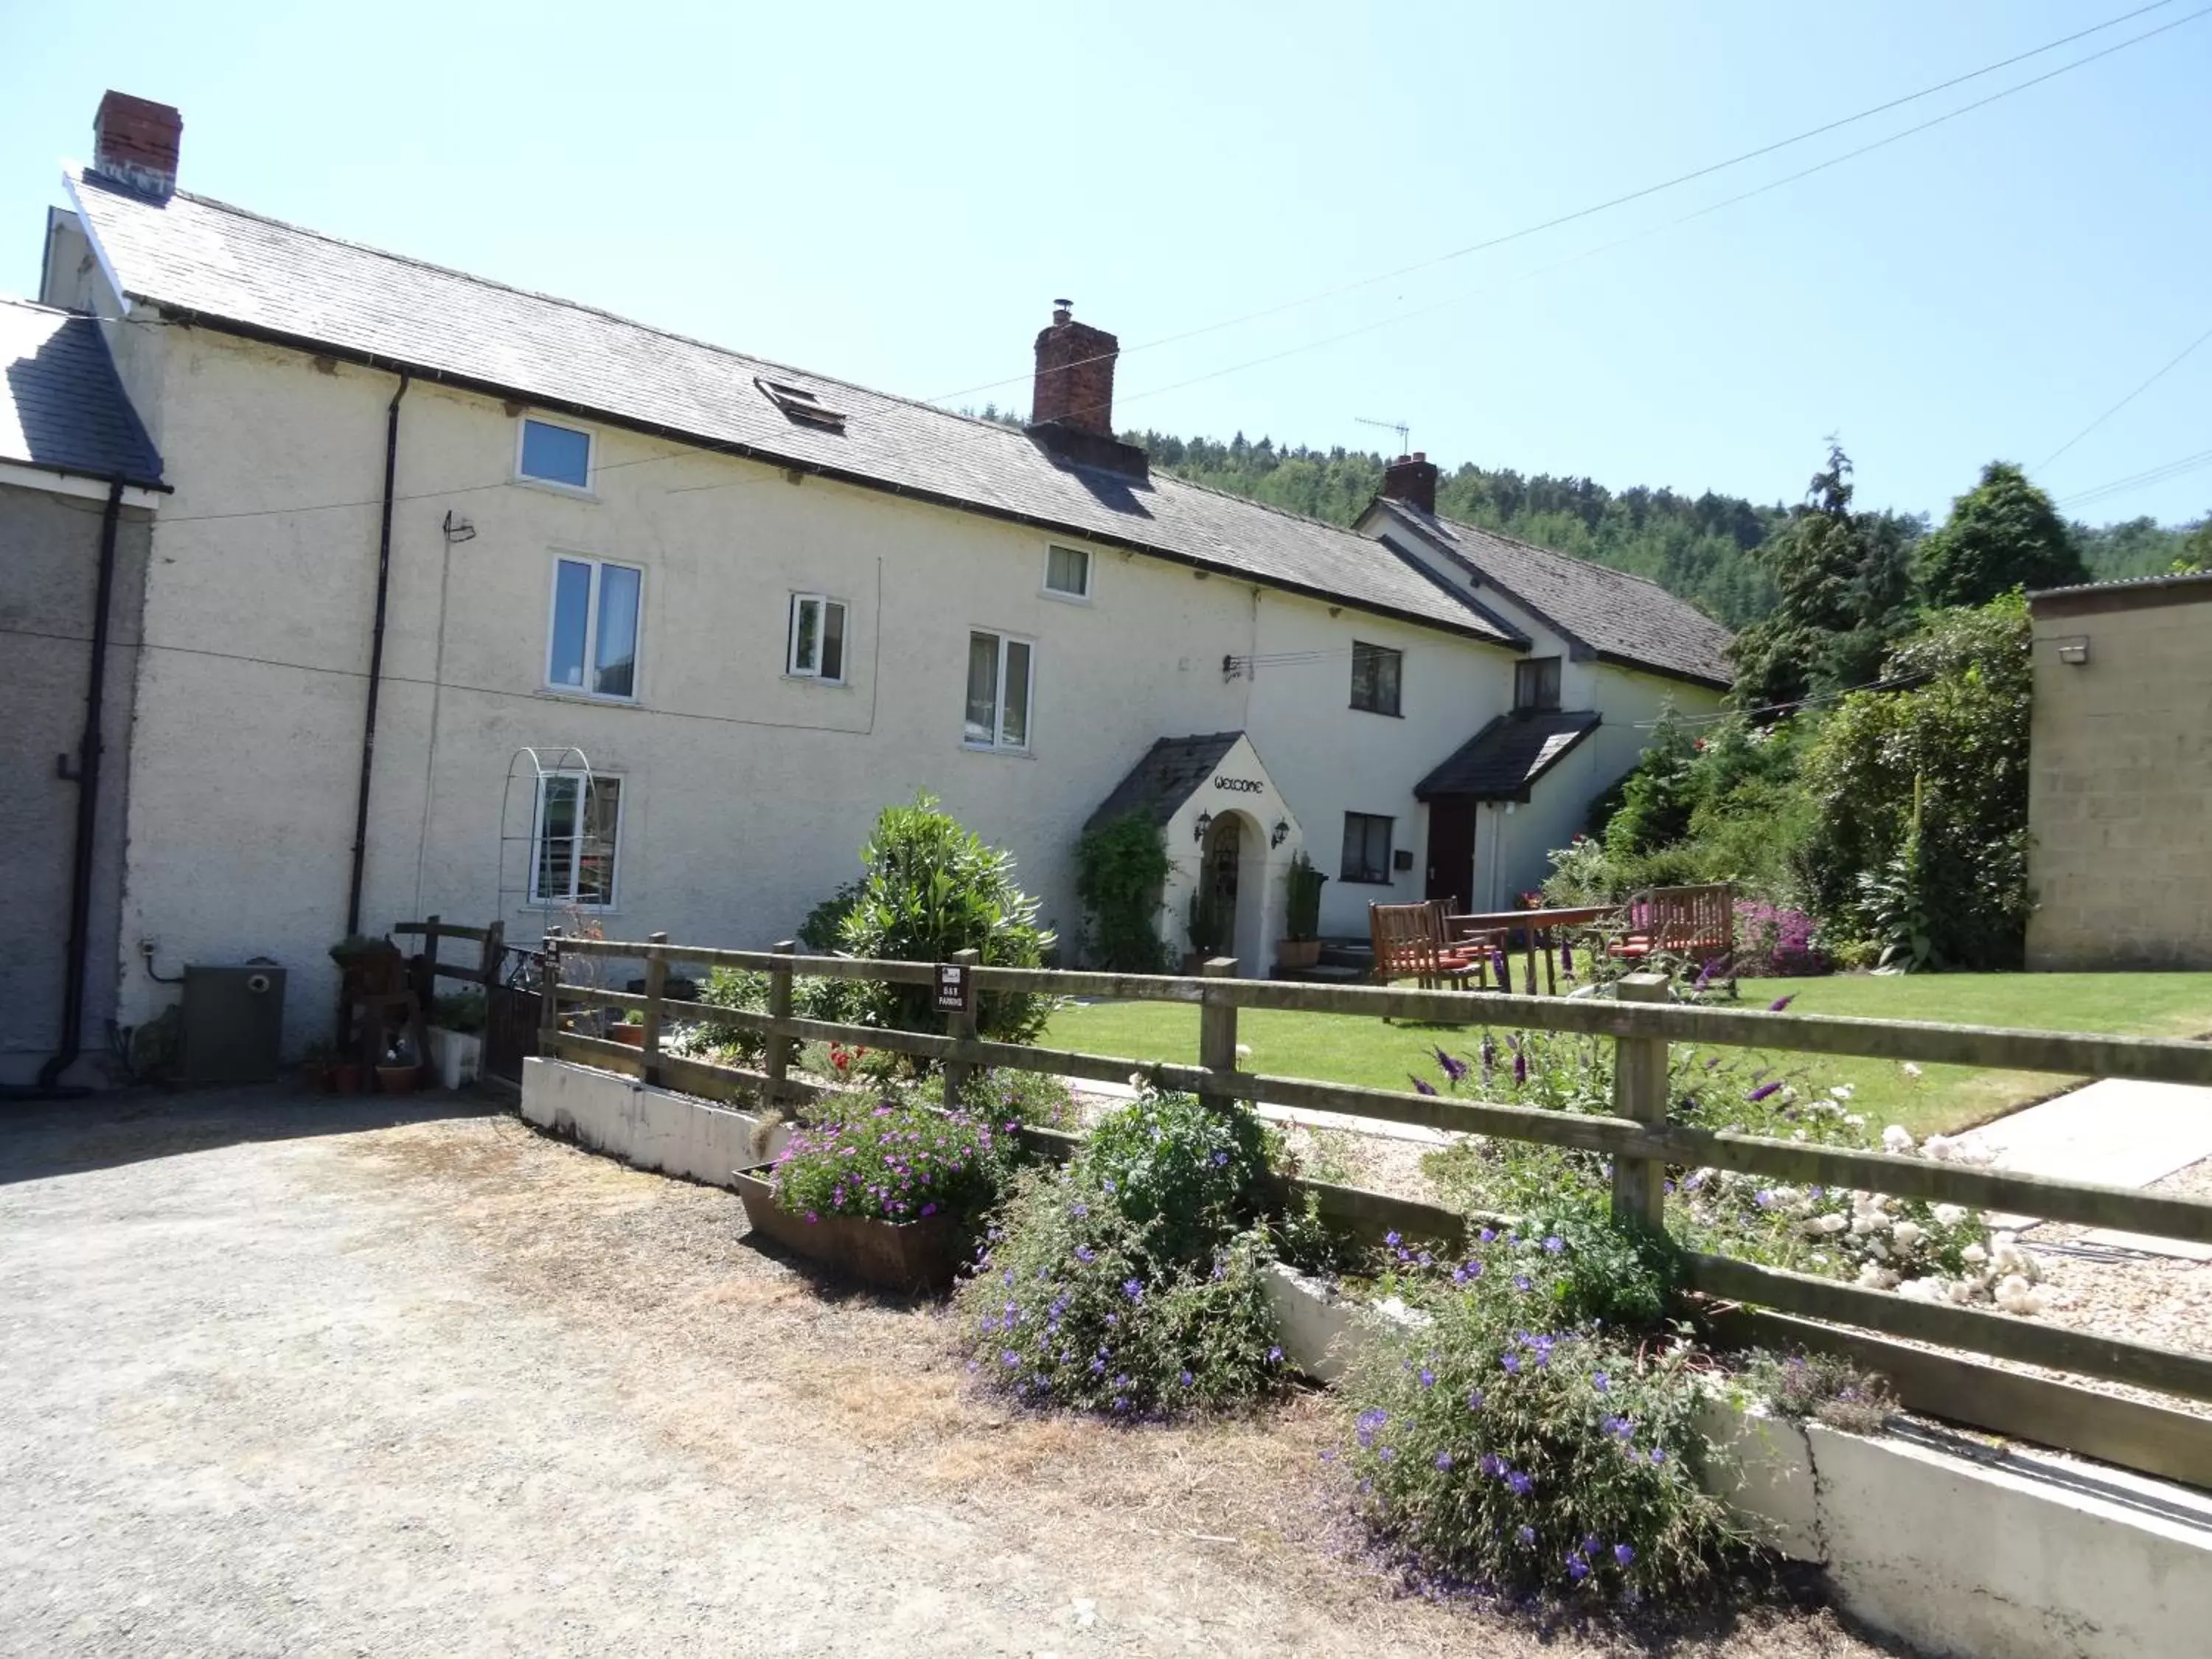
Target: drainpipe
375, 660
87, 807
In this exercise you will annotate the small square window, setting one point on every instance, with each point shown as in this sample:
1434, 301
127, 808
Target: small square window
1366, 848
817, 647
1376, 673
1067, 572
1536, 683
555, 454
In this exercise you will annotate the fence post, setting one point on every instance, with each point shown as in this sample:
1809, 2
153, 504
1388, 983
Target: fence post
1217, 1027
961, 1027
548, 999
1639, 1091
427, 992
495, 947
656, 987
779, 1008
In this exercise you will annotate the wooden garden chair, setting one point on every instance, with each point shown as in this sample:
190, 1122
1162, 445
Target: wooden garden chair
1696, 923
1408, 942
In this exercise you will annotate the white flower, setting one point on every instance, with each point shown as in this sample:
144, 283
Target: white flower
1841, 1091
1908, 1068
1962, 1292
2016, 1295
1868, 1221
1975, 1254
1820, 1225
1923, 1290
1856, 1119
1874, 1278
1877, 1249
1907, 1234
1971, 1149
1243, 1051
1896, 1139
1950, 1215
1136, 1081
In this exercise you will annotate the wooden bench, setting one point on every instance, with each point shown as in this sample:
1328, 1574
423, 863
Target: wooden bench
1695, 924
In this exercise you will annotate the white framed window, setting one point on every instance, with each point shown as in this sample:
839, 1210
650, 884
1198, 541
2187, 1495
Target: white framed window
548, 453
1067, 573
816, 650
1000, 677
575, 839
591, 644
1366, 848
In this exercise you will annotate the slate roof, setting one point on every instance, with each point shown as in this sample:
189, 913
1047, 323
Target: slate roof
1171, 770
1619, 618
61, 406
205, 260
1505, 758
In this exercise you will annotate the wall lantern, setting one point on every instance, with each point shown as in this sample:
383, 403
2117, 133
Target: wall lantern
1205, 822
2074, 652
1281, 833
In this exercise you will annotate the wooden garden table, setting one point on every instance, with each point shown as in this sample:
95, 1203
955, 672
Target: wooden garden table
1536, 930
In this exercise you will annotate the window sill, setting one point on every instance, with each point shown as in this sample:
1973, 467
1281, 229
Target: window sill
1365, 881
573, 492
1387, 713
570, 694
817, 681
1058, 598
994, 748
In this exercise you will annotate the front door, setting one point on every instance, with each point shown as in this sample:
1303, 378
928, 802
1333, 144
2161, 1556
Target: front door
1225, 851
1451, 851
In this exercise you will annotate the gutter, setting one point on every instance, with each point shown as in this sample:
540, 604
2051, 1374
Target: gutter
87, 811
741, 451
376, 658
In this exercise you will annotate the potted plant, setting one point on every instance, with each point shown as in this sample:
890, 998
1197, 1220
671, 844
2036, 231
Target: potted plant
629, 1029
315, 1065
398, 1073
345, 1073
888, 1193
1302, 917
1206, 921
457, 1022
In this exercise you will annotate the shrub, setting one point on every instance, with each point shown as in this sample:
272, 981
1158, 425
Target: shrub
742, 990
1008, 1096
823, 931
1120, 869
1302, 906
892, 1161
1823, 1387
1775, 942
1132, 1281
459, 1010
1511, 1441
933, 890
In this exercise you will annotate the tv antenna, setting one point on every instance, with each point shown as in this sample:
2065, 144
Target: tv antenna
1404, 430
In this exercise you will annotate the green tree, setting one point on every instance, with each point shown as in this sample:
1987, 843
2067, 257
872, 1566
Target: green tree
1925, 791
1843, 580
2001, 534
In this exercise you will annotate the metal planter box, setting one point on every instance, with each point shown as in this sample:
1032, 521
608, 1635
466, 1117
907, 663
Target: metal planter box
906, 1256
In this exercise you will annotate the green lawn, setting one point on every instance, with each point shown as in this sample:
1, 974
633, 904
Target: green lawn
1339, 1049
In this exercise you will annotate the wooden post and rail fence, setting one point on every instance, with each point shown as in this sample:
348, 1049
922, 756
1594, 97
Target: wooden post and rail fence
1748, 1301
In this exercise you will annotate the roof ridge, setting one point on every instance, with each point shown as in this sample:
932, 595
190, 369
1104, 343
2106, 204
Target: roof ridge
751, 360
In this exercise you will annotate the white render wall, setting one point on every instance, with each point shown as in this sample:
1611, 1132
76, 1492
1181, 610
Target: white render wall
745, 795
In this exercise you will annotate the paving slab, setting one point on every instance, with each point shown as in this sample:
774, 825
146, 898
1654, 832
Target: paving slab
2117, 1132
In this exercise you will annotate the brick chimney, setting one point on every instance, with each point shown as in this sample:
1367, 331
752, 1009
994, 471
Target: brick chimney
135, 142
1072, 408
1412, 479
1074, 374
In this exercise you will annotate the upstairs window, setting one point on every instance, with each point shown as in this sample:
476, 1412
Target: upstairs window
1536, 683
998, 670
554, 454
800, 406
575, 839
816, 648
1366, 848
1375, 670
593, 644
1067, 572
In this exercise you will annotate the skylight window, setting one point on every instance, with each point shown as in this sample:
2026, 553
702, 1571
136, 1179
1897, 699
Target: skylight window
799, 404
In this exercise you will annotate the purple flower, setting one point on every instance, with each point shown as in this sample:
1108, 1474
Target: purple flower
1079, 1209
1275, 1356
1428, 1378
1764, 1199
1492, 1465
1704, 974
1454, 1069
1523, 1485
1488, 1235
1527, 1535
1520, 1068
1386, 1454
1554, 1244
1658, 1455
1443, 1459
1601, 1383
1391, 1239
1086, 1254
1780, 1003
1764, 1090
1619, 1427
1133, 1289
1186, 1379
1623, 1554
1220, 1158
1474, 1400
1512, 1364
1011, 1358
1421, 1086
1578, 1569
1521, 1282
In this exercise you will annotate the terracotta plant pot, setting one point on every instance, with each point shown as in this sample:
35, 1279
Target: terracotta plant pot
315, 1074
908, 1256
632, 1034
1297, 953
397, 1079
345, 1076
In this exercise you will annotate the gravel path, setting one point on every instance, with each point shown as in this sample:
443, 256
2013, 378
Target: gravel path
284, 1378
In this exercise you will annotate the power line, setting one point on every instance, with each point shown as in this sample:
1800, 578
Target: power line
938, 449
1623, 200
2174, 469
2172, 363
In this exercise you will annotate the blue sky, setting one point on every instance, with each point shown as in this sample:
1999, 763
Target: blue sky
895, 194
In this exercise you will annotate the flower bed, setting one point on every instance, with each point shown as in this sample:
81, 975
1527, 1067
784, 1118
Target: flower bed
1775, 942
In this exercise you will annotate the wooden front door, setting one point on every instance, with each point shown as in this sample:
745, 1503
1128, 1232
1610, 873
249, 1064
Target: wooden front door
1451, 851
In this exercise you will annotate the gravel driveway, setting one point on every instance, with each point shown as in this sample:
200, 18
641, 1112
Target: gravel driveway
283, 1376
